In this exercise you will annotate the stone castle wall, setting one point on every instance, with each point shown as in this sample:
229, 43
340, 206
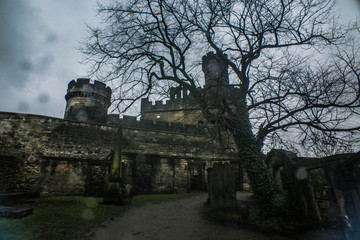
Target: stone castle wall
53, 156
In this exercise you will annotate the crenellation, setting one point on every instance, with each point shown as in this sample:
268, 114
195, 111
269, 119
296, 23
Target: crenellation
129, 119
99, 84
83, 81
87, 102
113, 118
83, 86
133, 122
71, 84
179, 102
172, 92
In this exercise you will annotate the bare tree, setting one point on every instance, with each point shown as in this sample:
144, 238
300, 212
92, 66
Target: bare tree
278, 54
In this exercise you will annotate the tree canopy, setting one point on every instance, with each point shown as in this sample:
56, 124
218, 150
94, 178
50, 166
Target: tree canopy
296, 67
296, 70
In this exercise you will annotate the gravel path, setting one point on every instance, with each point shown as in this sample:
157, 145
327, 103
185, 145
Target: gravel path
183, 220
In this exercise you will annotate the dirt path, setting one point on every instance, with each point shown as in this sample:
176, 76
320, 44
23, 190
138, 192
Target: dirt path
182, 220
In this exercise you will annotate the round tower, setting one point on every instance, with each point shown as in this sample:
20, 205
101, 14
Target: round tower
87, 102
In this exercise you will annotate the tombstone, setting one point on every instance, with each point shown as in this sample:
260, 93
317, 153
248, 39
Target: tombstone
114, 191
222, 188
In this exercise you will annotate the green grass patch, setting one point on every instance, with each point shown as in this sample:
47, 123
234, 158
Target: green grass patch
58, 218
67, 217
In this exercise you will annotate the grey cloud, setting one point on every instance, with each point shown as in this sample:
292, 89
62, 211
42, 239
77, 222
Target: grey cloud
23, 106
16, 18
21, 48
43, 98
51, 37
37, 52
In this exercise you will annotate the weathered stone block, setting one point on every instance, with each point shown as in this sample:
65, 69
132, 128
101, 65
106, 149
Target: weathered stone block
222, 189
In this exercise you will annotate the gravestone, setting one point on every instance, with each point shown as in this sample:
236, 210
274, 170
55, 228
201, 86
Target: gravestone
222, 189
7, 202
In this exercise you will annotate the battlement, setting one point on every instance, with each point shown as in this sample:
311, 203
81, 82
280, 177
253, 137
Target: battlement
86, 101
83, 87
132, 122
180, 99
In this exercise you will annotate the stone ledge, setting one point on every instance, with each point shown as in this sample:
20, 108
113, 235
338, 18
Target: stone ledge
14, 212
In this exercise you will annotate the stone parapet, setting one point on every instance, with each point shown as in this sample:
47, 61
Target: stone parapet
82, 86
179, 100
153, 125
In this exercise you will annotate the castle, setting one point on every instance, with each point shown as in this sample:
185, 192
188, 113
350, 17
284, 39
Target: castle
167, 150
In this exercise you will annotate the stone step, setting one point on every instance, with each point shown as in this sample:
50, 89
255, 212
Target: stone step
7, 199
14, 212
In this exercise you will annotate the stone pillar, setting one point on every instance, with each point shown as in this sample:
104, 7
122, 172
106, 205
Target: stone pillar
164, 176
180, 176
222, 187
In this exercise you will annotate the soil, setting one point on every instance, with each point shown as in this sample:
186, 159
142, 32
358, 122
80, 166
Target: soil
186, 219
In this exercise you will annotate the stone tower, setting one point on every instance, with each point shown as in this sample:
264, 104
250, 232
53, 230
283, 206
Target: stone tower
217, 89
87, 102
215, 69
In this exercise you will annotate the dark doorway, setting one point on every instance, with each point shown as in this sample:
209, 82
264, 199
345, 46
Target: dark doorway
142, 178
197, 177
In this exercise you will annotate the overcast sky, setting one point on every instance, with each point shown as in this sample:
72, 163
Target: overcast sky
38, 50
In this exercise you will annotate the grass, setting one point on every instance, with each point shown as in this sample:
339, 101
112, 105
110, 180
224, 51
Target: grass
68, 217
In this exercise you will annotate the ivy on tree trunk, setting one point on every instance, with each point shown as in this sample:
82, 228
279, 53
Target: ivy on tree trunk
249, 150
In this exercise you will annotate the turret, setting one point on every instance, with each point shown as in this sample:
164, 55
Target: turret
87, 102
215, 69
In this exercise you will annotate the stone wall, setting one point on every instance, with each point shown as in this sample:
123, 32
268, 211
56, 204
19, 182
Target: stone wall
321, 193
181, 116
326, 189
182, 109
156, 174
11, 174
53, 156
62, 177
181, 175
142, 141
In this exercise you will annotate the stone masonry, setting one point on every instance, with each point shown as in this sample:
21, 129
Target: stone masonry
55, 157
